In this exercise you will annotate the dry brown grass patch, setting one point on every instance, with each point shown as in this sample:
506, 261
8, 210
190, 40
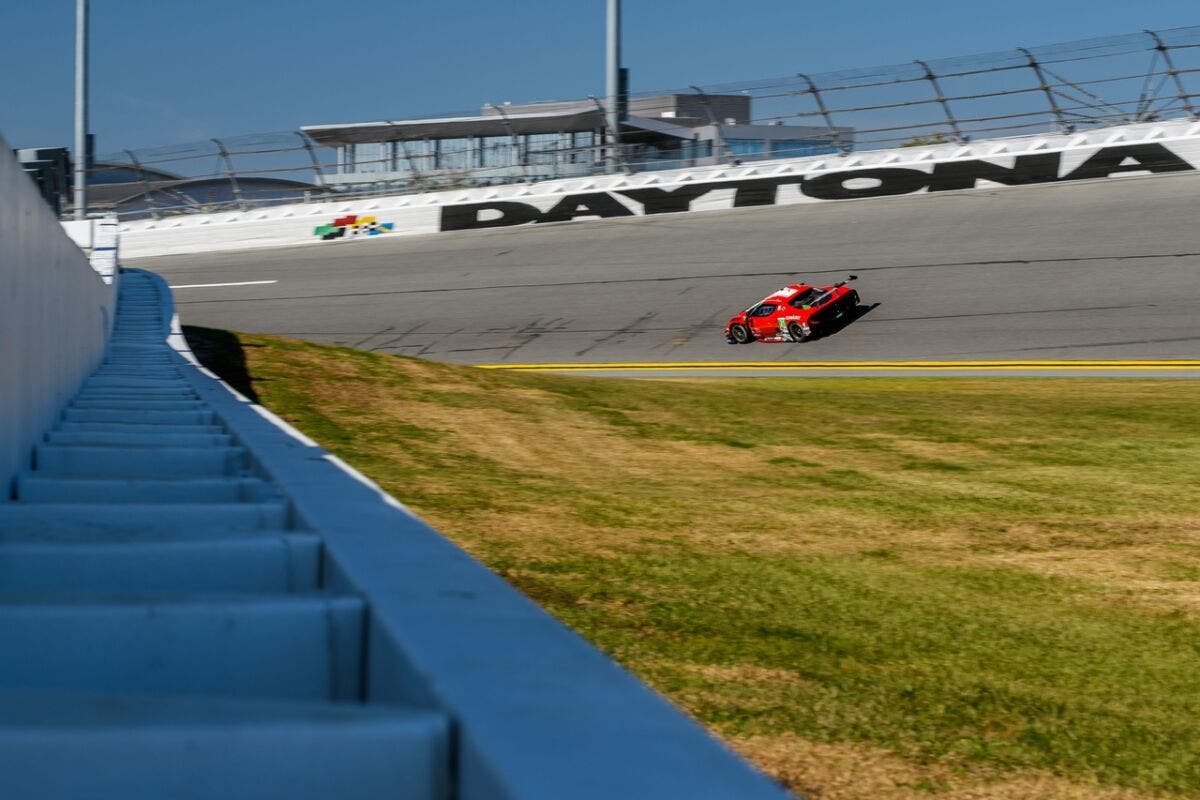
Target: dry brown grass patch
821, 771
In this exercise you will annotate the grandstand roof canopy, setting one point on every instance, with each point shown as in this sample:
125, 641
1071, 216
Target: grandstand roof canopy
455, 127
670, 114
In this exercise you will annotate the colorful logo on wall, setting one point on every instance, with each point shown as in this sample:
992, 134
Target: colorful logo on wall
353, 225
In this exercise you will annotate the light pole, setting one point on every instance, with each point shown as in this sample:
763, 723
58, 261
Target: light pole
81, 98
612, 115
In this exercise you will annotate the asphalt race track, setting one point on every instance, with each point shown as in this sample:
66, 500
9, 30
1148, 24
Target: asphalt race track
1100, 272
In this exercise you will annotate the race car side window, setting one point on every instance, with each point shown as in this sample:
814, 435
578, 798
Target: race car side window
764, 310
820, 301
802, 299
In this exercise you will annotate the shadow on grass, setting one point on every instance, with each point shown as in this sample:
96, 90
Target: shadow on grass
223, 353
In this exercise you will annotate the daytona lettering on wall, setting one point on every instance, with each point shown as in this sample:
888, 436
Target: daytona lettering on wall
845, 185
1162, 150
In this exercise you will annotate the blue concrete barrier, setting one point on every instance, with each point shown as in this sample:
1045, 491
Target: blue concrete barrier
197, 601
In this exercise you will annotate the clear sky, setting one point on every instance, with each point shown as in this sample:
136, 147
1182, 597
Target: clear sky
171, 71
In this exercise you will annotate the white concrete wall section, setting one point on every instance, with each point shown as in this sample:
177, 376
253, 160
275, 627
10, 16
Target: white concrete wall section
55, 317
98, 239
1098, 154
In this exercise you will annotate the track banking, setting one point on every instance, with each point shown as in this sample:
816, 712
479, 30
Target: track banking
1035, 168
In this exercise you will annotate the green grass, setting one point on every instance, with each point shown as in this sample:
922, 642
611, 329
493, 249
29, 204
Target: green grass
971, 664
996, 577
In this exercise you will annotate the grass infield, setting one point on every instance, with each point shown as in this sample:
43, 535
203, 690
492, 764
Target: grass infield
871, 587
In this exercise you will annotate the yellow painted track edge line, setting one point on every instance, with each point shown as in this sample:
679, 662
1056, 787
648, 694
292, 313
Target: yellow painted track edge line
1177, 364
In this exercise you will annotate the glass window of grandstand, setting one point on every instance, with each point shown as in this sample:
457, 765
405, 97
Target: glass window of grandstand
690, 150
368, 157
413, 156
795, 148
743, 147
547, 148
581, 147
498, 151
454, 154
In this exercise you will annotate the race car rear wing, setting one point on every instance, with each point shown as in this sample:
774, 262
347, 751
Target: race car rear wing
819, 299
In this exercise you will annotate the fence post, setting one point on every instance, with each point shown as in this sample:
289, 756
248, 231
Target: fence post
941, 98
1184, 97
415, 171
318, 177
719, 141
137, 165
833, 131
619, 154
1037, 70
515, 141
233, 181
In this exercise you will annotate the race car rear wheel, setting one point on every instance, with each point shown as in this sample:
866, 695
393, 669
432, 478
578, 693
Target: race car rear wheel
740, 333
796, 332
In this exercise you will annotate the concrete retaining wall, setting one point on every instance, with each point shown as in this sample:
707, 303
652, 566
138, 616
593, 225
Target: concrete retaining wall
55, 316
1098, 154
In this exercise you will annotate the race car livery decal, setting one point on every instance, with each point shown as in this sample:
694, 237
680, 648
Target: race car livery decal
352, 225
1152, 157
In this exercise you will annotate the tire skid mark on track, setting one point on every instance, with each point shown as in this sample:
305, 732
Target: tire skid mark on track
398, 338
631, 328
720, 276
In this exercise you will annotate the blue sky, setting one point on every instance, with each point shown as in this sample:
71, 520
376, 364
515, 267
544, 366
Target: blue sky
170, 71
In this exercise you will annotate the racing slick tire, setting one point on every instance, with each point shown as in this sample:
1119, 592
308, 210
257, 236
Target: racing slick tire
796, 332
740, 334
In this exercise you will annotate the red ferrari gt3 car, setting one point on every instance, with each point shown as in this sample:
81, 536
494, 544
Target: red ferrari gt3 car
794, 313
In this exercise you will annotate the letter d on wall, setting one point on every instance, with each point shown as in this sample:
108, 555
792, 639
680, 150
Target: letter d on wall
473, 215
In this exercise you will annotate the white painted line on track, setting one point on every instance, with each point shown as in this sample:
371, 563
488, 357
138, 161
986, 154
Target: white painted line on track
214, 285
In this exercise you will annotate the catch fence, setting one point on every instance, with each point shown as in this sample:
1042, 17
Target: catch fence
1141, 77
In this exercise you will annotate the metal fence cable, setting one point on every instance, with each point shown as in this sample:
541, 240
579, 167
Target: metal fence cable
1141, 77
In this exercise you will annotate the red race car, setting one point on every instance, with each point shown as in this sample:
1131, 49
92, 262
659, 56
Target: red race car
794, 314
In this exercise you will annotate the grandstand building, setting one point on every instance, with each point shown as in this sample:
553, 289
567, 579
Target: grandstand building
539, 141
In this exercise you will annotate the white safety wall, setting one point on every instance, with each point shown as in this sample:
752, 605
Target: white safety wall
55, 316
1100, 154
98, 239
